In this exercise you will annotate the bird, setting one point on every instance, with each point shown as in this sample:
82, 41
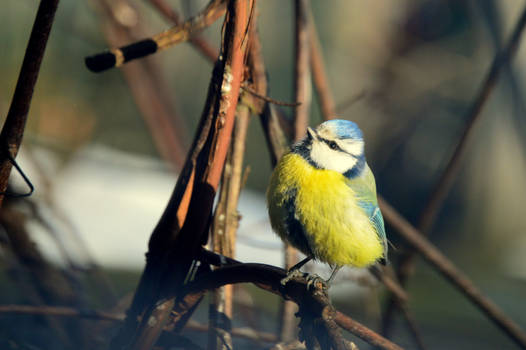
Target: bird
322, 200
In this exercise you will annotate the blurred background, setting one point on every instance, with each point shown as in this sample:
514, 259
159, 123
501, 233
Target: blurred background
405, 71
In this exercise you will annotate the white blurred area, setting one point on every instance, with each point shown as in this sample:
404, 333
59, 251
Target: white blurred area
113, 201
104, 204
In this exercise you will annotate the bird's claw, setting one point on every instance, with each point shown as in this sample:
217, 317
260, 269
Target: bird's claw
313, 280
291, 275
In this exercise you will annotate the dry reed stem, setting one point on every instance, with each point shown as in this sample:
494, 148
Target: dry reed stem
200, 43
15, 122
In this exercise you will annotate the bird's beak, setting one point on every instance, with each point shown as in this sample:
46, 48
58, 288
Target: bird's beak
311, 133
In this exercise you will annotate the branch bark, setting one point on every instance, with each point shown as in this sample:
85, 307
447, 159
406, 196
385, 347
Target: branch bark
182, 228
15, 122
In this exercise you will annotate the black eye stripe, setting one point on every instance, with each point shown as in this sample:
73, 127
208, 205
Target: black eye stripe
332, 145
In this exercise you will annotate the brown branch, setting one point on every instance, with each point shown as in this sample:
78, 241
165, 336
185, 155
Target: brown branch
63, 311
269, 99
446, 180
60, 311
276, 140
314, 303
432, 255
363, 332
302, 82
317, 66
178, 34
15, 122
200, 43
192, 201
302, 93
150, 93
226, 221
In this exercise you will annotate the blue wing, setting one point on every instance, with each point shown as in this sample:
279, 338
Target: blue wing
365, 189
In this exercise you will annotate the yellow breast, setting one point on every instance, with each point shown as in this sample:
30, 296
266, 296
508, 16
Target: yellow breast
338, 230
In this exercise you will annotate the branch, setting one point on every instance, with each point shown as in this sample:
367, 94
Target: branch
446, 180
63, 311
117, 57
302, 93
269, 278
200, 43
60, 311
433, 256
317, 66
15, 122
172, 247
150, 93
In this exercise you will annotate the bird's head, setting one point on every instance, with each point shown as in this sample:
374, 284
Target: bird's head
334, 145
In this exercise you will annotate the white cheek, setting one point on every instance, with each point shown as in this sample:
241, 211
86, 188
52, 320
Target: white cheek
330, 159
355, 148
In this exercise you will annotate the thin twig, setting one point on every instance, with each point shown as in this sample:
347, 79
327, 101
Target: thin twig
150, 93
193, 196
60, 311
14, 125
302, 93
269, 99
117, 57
319, 75
203, 46
243, 332
302, 79
226, 221
432, 255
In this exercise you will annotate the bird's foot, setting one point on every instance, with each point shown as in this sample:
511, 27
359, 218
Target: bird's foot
314, 281
291, 275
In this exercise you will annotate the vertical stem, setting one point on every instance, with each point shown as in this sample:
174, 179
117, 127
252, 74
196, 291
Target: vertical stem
319, 75
226, 220
302, 93
13, 129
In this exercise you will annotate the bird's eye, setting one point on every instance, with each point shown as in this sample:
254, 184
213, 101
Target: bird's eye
333, 145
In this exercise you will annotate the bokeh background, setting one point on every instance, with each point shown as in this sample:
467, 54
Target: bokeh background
405, 71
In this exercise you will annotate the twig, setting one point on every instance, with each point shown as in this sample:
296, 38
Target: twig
60, 311
363, 332
317, 66
150, 93
390, 284
276, 140
117, 57
302, 86
302, 81
446, 180
203, 46
432, 255
268, 278
14, 125
226, 221
243, 332
269, 99
193, 196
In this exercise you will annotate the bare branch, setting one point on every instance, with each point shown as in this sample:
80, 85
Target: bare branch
203, 46
15, 122
117, 57
452, 274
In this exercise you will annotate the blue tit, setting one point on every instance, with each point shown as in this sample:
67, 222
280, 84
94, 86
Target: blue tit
322, 199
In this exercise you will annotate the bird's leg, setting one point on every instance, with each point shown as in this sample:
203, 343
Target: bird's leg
294, 271
334, 272
313, 280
